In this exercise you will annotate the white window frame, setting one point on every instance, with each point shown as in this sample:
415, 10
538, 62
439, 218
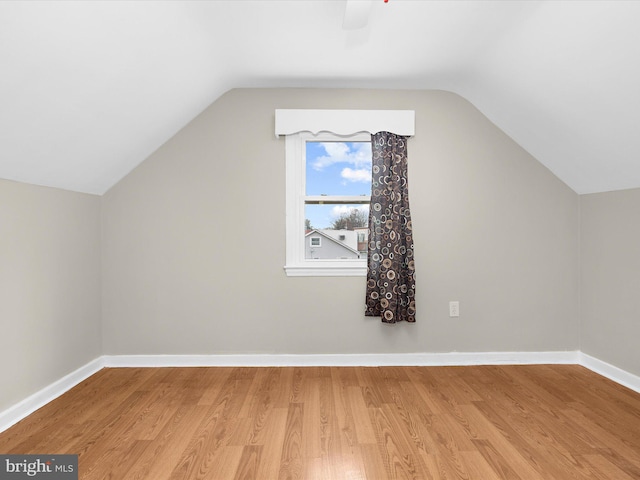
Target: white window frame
319, 245
296, 263
299, 124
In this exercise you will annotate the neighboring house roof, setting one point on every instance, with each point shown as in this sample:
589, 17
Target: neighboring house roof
348, 237
335, 240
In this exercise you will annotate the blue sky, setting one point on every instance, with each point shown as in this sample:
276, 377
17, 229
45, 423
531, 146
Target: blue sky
336, 168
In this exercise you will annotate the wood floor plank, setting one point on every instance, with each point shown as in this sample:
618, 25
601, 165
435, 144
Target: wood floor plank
399, 454
606, 438
478, 467
121, 459
504, 467
249, 461
529, 425
214, 431
291, 460
417, 419
373, 463
529, 422
215, 379
343, 416
605, 469
628, 464
360, 413
225, 465
275, 428
312, 434
502, 449
327, 417
166, 451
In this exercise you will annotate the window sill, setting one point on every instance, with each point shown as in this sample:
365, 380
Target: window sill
326, 270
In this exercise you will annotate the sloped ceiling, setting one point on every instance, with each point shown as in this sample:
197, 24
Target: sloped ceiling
89, 89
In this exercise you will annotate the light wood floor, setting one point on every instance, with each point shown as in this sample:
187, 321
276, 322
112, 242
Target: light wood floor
489, 422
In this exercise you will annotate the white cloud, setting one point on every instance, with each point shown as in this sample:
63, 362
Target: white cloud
359, 155
361, 175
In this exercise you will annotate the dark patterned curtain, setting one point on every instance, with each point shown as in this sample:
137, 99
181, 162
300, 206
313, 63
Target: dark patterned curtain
390, 265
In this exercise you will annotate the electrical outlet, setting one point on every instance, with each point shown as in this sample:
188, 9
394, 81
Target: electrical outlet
454, 309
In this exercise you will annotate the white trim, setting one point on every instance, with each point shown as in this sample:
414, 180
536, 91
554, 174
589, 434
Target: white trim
49, 393
611, 372
295, 181
345, 122
29, 405
344, 360
327, 269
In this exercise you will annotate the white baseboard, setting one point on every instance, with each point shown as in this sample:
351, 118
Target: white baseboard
17, 412
329, 360
26, 407
616, 374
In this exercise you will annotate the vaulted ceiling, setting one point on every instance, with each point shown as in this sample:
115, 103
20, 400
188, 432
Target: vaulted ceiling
89, 89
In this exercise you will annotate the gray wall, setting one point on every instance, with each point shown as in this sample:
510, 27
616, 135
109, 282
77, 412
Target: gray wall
49, 286
610, 300
182, 273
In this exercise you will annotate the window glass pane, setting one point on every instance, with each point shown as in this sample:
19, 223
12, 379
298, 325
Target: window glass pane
336, 231
338, 168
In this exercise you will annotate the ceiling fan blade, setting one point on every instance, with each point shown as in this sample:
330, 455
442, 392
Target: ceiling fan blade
356, 14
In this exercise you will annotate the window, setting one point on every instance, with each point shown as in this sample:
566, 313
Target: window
328, 196
317, 197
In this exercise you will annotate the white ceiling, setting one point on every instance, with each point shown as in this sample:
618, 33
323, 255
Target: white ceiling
89, 89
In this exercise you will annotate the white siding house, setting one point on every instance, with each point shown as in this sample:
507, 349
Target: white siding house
331, 244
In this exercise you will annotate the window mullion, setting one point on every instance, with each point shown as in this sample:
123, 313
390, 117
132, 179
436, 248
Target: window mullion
336, 199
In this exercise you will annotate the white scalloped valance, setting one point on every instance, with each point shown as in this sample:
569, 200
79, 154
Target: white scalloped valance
345, 122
